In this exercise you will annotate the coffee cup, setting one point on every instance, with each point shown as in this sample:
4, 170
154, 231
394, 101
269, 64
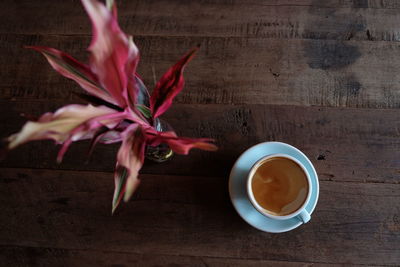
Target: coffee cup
279, 187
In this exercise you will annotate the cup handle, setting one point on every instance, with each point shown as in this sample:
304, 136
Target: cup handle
304, 216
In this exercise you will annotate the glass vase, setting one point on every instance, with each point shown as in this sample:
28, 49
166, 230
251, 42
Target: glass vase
161, 152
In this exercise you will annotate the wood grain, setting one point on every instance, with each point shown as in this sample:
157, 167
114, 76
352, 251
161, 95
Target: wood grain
320, 75
34, 256
311, 19
366, 151
193, 216
228, 70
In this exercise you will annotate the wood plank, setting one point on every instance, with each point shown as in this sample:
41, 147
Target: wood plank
311, 19
263, 69
192, 216
344, 144
228, 70
32, 256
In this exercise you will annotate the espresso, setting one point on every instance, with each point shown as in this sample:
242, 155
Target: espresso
280, 186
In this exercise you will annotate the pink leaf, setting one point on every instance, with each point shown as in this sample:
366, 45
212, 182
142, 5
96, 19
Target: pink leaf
114, 135
120, 178
97, 135
63, 149
180, 145
73, 69
114, 56
170, 84
66, 125
89, 128
112, 6
130, 159
143, 94
132, 89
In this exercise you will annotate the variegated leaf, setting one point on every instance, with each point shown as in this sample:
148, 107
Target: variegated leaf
73, 69
180, 145
68, 124
130, 159
113, 53
170, 84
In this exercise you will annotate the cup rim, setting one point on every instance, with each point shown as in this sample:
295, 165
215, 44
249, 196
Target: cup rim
251, 195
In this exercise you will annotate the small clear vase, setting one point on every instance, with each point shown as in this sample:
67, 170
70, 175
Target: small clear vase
161, 152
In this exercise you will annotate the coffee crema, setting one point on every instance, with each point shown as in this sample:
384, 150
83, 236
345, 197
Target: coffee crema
280, 186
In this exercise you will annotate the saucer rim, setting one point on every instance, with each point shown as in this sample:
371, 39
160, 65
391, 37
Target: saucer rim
315, 177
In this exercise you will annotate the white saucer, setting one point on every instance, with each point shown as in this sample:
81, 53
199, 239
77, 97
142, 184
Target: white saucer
237, 186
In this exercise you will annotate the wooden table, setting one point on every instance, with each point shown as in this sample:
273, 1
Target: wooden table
320, 75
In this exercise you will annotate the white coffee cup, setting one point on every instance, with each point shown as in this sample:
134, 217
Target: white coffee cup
301, 213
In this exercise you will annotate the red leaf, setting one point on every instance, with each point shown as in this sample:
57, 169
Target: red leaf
97, 135
170, 84
60, 125
112, 6
131, 91
143, 96
68, 124
73, 69
183, 145
114, 56
180, 145
89, 128
130, 159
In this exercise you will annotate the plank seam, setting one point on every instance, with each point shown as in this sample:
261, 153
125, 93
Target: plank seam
344, 40
186, 175
176, 255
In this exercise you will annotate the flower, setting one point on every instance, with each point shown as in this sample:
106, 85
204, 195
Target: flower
111, 80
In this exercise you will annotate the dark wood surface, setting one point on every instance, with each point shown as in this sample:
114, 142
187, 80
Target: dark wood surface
320, 75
